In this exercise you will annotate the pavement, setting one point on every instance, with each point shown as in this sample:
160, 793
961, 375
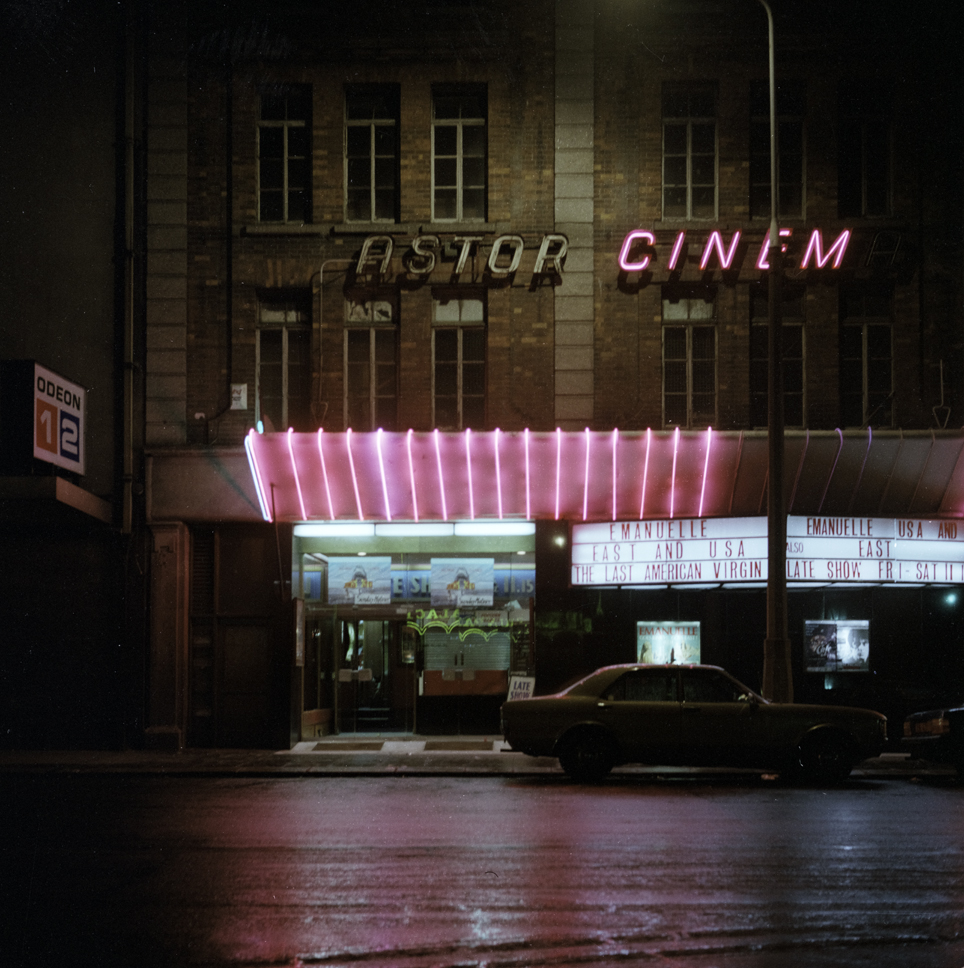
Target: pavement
373, 754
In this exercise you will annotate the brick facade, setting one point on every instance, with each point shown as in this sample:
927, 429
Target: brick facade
574, 146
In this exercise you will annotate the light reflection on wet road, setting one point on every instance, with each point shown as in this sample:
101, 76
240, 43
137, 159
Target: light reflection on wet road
480, 871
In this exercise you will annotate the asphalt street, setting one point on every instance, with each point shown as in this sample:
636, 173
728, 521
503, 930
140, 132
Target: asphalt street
652, 868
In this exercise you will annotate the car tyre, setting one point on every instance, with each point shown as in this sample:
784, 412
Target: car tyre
587, 756
824, 757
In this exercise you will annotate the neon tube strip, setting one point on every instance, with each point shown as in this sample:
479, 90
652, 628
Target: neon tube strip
672, 485
324, 474
585, 482
715, 241
441, 481
256, 474
642, 495
677, 248
615, 441
706, 466
294, 468
525, 437
354, 476
411, 472
763, 259
498, 473
468, 467
381, 468
558, 466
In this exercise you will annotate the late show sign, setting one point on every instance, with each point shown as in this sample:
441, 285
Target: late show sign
733, 551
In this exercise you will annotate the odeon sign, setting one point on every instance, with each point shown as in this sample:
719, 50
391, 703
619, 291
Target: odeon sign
635, 255
733, 552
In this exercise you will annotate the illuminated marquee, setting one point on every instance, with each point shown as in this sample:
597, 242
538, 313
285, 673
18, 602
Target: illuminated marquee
733, 551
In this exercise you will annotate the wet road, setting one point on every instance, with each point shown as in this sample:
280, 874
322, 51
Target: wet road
449, 871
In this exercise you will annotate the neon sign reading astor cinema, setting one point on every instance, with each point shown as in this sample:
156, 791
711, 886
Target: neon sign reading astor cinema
636, 254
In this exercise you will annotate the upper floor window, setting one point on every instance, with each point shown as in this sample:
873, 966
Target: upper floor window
689, 150
689, 358
864, 146
459, 154
458, 363
371, 364
791, 174
794, 376
371, 153
283, 362
866, 357
284, 153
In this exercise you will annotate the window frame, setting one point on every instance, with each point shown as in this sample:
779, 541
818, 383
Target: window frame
690, 323
789, 320
690, 91
460, 326
298, 307
465, 93
870, 405
863, 107
285, 125
375, 413
791, 109
389, 93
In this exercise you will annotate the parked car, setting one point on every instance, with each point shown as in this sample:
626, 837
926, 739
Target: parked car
688, 715
936, 735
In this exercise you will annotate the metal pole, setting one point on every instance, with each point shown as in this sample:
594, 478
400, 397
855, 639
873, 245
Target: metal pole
777, 673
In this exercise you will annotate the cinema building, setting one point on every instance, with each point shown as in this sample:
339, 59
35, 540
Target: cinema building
456, 362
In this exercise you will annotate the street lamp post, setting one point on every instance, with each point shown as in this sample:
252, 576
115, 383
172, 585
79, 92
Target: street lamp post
777, 676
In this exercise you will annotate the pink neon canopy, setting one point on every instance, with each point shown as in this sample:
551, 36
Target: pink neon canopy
598, 476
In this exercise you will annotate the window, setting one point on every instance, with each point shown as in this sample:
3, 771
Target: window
458, 154
371, 365
791, 178
864, 146
689, 151
284, 172
643, 685
794, 383
284, 363
866, 364
458, 364
689, 359
705, 686
371, 154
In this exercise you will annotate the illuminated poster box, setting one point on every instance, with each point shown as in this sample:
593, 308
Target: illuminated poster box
842, 645
661, 642
360, 581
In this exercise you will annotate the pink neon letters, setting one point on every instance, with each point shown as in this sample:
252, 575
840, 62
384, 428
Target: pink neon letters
725, 252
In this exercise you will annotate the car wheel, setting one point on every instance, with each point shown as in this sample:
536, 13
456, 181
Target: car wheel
824, 757
587, 756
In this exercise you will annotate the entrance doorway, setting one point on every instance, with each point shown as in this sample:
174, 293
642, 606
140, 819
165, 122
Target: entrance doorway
360, 671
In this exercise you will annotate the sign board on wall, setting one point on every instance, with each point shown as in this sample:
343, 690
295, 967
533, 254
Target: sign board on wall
58, 407
733, 551
841, 645
360, 581
463, 582
662, 642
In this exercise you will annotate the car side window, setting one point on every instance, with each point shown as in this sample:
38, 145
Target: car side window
709, 687
643, 686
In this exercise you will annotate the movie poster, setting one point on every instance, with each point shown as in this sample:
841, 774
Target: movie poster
360, 581
841, 645
463, 582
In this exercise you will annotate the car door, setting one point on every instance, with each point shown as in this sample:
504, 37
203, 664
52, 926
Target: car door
641, 709
716, 721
